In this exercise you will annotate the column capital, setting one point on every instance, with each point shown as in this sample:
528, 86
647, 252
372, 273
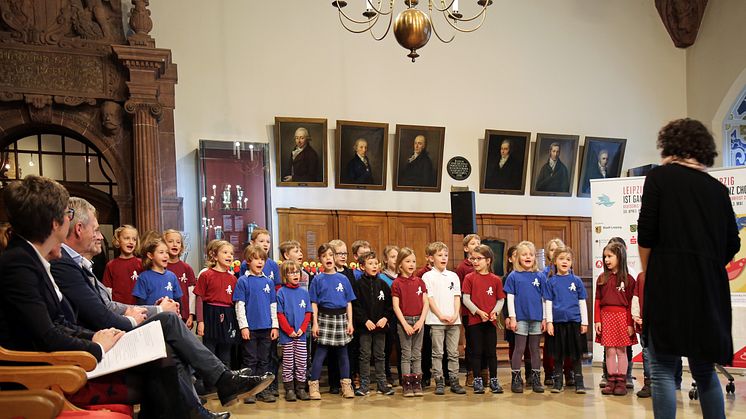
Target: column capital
155, 109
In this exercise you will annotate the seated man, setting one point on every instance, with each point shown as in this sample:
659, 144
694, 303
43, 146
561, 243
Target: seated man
34, 315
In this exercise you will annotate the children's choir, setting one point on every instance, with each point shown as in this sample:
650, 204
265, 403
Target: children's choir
350, 315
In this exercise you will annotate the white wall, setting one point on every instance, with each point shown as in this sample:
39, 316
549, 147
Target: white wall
566, 66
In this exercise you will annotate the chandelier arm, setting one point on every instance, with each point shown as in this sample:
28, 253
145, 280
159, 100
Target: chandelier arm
380, 12
349, 19
481, 14
369, 23
442, 3
435, 31
388, 28
453, 25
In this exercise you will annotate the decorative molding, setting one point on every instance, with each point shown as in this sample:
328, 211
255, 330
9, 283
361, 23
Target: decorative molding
74, 100
155, 109
141, 24
682, 19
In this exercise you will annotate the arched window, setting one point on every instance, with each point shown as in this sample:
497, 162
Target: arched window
734, 133
59, 157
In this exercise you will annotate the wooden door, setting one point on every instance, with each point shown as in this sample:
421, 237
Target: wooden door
309, 227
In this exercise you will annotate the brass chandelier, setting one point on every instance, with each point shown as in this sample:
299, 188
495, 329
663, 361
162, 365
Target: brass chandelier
412, 27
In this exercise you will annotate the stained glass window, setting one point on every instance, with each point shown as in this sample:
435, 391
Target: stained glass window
734, 133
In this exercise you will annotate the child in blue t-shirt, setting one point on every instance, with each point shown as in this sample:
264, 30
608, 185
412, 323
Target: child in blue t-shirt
256, 312
567, 317
331, 299
260, 237
526, 310
293, 315
156, 282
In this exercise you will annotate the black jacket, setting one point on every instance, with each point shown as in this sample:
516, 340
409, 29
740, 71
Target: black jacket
32, 318
373, 302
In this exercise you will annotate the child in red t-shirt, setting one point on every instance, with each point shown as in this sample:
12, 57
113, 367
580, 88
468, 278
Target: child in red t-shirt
216, 319
409, 297
183, 272
121, 274
613, 316
483, 296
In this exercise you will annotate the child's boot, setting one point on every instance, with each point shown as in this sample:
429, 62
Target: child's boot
363, 389
313, 390
440, 386
478, 385
300, 391
645, 390
406, 385
557, 385
610, 384
579, 385
516, 383
456, 387
495, 386
469, 379
536, 386
346, 388
416, 385
382, 387
289, 391
620, 389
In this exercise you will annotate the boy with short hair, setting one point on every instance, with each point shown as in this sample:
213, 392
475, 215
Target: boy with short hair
471, 242
291, 250
444, 293
359, 248
261, 237
256, 312
371, 312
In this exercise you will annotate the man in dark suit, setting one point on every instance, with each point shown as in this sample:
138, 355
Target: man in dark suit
419, 169
304, 161
34, 315
505, 172
358, 168
598, 169
553, 176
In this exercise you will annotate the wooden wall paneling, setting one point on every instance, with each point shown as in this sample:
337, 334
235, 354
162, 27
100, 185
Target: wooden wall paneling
414, 230
582, 244
511, 228
364, 225
310, 227
543, 229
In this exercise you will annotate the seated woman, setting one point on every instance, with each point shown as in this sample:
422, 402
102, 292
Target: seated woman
34, 315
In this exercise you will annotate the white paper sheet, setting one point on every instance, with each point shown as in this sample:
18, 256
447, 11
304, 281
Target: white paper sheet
136, 347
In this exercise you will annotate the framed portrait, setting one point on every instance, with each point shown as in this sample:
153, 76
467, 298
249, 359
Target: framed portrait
555, 158
301, 151
361, 155
602, 158
418, 158
504, 162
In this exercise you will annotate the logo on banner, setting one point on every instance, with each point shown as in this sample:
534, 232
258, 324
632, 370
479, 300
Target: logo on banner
633, 240
599, 264
598, 229
633, 228
604, 200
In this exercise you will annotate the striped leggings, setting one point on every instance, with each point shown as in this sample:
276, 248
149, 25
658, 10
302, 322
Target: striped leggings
294, 356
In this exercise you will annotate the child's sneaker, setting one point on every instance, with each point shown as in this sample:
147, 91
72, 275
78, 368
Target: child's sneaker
495, 386
384, 388
363, 389
440, 386
478, 385
456, 387
579, 385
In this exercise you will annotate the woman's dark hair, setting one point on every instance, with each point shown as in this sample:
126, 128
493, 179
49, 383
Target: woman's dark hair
32, 204
687, 138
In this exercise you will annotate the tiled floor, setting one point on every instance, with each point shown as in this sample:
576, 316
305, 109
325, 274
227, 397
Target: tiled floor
527, 405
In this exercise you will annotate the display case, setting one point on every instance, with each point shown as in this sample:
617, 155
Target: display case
234, 196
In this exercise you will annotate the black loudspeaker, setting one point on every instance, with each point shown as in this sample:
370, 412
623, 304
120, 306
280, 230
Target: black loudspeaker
463, 213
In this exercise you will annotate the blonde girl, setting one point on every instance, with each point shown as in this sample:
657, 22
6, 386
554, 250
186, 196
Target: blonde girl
184, 273
121, 274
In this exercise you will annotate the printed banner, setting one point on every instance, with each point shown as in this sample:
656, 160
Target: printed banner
616, 207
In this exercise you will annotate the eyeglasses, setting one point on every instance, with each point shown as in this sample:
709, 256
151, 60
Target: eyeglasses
70, 212
473, 259
341, 253
293, 273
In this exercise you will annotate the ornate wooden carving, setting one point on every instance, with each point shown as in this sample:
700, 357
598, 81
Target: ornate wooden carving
682, 19
66, 66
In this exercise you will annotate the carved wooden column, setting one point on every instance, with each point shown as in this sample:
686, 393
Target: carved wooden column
146, 156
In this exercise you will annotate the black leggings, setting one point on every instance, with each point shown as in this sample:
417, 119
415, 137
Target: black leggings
482, 345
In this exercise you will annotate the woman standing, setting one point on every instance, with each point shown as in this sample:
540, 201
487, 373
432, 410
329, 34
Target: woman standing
687, 234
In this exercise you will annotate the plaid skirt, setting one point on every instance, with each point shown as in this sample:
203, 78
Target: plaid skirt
333, 330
